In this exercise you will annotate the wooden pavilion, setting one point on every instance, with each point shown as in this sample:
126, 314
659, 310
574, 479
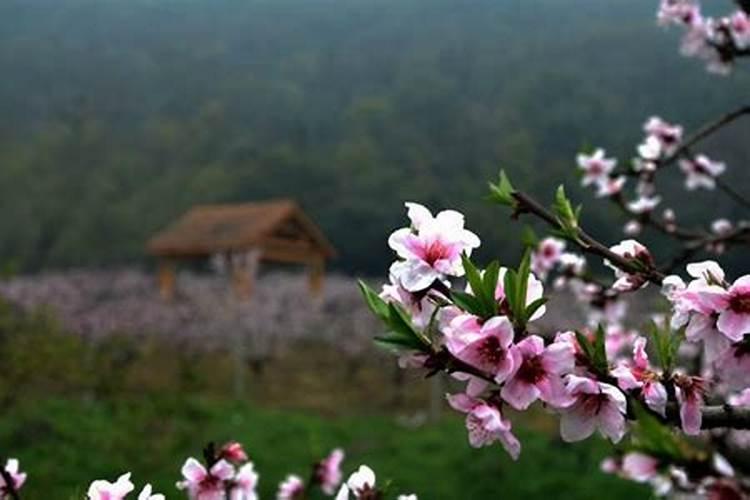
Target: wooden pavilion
242, 235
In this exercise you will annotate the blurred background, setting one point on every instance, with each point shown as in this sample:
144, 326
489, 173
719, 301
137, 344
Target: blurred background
118, 116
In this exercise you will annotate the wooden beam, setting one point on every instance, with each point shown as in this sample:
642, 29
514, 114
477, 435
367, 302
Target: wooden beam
166, 278
316, 275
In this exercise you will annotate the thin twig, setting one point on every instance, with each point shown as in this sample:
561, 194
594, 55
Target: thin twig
729, 191
586, 242
740, 234
704, 132
713, 417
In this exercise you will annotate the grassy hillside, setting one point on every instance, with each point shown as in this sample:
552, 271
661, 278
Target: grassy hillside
115, 116
63, 444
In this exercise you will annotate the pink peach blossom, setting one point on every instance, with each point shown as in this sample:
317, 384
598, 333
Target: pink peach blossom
292, 488
104, 490
637, 374
244, 483
734, 320
610, 186
538, 373
431, 248
733, 367
18, 478
233, 452
689, 391
597, 406
668, 135
147, 494
739, 26
639, 467
202, 484
701, 172
361, 484
487, 349
595, 166
635, 252
546, 255
485, 423
328, 471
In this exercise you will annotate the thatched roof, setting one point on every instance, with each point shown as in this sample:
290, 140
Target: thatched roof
278, 227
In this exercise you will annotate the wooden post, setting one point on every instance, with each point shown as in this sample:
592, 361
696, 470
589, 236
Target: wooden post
240, 280
166, 278
316, 275
244, 268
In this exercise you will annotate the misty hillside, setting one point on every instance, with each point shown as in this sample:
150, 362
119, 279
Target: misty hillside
115, 116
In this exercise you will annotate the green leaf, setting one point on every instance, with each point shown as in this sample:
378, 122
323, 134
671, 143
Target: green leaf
400, 322
522, 285
595, 352
377, 305
666, 344
600, 351
652, 436
585, 344
502, 192
402, 331
398, 342
489, 281
509, 288
472, 275
566, 215
467, 302
529, 237
533, 307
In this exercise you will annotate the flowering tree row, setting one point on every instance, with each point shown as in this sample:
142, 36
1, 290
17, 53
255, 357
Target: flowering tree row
677, 385
205, 315
226, 473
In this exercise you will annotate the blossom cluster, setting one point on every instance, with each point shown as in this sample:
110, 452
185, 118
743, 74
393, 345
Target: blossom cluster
228, 474
12, 479
716, 41
716, 313
662, 144
485, 334
518, 367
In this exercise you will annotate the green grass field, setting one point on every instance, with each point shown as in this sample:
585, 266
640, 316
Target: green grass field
64, 444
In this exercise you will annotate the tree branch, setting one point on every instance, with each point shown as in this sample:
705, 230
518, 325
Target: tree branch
586, 242
740, 234
717, 417
729, 191
705, 131
714, 417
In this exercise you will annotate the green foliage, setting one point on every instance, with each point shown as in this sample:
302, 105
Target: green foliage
651, 436
529, 237
63, 445
595, 351
566, 215
401, 332
481, 302
515, 286
502, 192
350, 107
666, 344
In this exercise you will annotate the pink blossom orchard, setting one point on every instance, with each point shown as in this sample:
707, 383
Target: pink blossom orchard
673, 394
